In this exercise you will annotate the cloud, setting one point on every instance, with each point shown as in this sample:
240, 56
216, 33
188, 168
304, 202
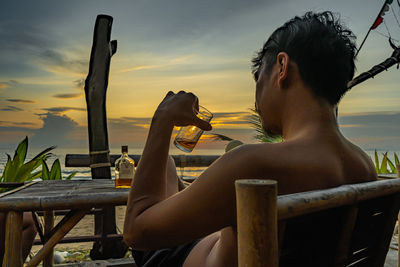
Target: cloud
55, 61
8, 84
128, 130
80, 83
11, 108
142, 67
14, 100
15, 124
56, 110
59, 130
231, 119
68, 96
380, 130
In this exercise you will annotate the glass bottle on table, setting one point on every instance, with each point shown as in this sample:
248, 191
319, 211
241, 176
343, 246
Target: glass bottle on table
124, 169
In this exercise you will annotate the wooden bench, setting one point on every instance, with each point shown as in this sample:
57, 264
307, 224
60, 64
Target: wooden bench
350, 225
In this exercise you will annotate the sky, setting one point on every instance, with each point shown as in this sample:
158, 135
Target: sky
200, 46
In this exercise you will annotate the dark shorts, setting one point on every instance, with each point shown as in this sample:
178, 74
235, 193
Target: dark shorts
167, 257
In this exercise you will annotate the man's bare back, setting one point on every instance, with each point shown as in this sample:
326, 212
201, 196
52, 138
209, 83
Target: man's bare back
313, 155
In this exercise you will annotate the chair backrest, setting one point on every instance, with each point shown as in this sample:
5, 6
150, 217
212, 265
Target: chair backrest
350, 225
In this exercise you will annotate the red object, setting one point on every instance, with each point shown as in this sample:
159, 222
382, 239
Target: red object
377, 22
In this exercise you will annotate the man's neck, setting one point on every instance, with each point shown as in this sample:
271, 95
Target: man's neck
307, 116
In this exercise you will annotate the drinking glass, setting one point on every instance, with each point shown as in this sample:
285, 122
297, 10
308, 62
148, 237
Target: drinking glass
187, 136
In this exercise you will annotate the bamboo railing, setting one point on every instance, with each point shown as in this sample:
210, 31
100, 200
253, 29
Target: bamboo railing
260, 212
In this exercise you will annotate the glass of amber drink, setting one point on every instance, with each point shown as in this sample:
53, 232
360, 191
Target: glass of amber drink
187, 136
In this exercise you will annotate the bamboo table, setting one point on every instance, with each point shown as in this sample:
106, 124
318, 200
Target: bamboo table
78, 196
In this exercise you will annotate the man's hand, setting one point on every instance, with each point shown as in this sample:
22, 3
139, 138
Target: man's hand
181, 109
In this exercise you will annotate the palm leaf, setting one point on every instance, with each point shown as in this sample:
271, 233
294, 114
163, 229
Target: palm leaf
261, 135
21, 151
42, 158
8, 164
55, 172
45, 171
11, 173
23, 173
44, 152
377, 162
391, 166
383, 168
35, 175
69, 177
220, 137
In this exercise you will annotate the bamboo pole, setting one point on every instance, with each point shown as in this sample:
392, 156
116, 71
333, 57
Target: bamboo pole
13, 240
18, 189
56, 237
294, 205
257, 223
48, 226
394, 59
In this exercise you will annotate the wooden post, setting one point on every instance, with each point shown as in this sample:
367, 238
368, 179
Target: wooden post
95, 90
48, 226
257, 223
13, 240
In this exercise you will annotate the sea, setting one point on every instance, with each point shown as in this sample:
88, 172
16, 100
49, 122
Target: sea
188, 173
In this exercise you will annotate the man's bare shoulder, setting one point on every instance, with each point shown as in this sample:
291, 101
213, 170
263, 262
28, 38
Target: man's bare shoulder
257, 158
300, 165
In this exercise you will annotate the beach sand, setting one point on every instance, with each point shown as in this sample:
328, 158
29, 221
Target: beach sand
84, 228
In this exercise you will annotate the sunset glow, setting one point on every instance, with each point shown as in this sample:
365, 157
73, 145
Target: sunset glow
203, 47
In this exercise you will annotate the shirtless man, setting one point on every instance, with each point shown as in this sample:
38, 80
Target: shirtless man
28, 235
301, 73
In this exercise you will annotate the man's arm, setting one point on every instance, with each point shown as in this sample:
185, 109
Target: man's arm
149, 185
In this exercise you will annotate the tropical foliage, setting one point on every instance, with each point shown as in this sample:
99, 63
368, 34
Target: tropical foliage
386, 165
261, 135
17, 170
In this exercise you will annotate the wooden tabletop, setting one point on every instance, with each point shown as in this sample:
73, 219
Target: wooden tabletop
66, 194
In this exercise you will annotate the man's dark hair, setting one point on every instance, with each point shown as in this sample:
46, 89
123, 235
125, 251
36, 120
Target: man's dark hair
323, 49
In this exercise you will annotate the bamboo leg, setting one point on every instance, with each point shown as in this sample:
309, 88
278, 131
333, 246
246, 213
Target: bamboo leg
13, 244
257, 223
48, 226
56, 237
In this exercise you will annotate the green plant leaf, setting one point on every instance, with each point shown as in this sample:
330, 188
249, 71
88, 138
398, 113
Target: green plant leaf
10, 175
45, 171
391, 166
383, 168
44, 152
35, 175
23, 173
39, 158
4, 175
396, 159
69, 177
219, 137
262, 136
377, 162
21, 151
55, 173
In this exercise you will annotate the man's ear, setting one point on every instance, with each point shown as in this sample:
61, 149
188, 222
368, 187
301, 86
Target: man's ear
283, 68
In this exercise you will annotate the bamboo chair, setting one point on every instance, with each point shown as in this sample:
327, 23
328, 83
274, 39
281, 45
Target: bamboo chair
350, 225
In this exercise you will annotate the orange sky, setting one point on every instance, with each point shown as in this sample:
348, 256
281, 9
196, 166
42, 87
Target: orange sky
203, 47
